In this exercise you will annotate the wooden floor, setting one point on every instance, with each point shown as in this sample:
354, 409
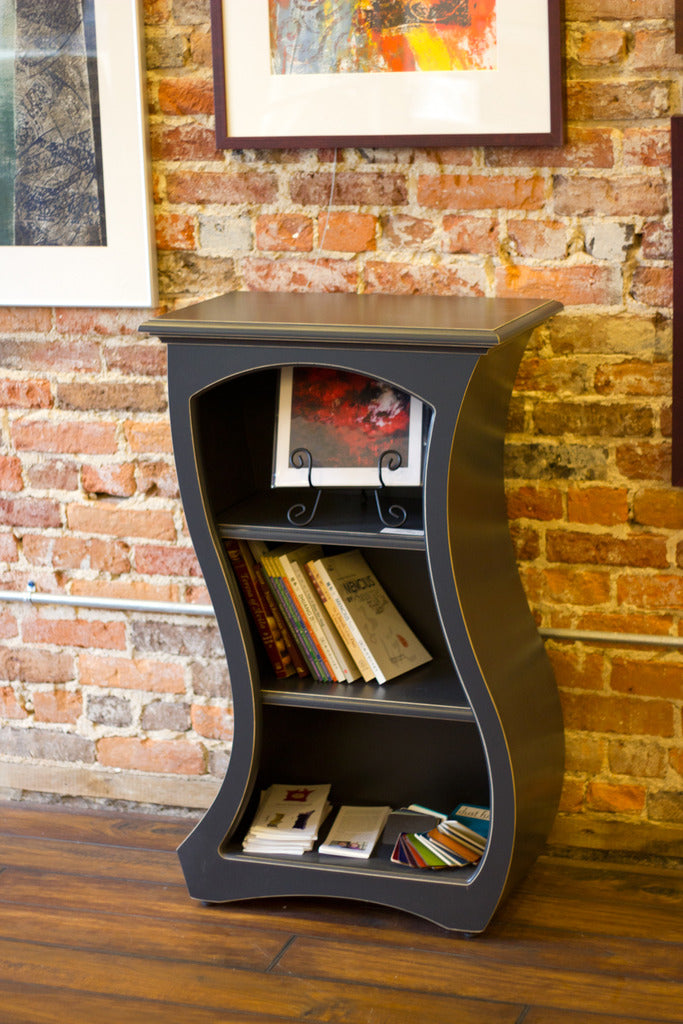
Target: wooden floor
96, 928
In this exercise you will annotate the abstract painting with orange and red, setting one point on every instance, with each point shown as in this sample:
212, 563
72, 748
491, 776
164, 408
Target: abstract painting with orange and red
357, 36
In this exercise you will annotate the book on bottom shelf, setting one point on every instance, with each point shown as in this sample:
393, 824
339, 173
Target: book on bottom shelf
287, 819
355, 831
371, 622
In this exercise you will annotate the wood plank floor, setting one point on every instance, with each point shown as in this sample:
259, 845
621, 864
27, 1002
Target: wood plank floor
96, 926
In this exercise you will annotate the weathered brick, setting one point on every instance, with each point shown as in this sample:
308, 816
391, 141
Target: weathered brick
541, 240
202, 641
57, 706
137, 396
210, 679
162, 756
30, 512
481, 192
342, 231
155, 676
662, 508
640, 760
166, 714
25, 394
597, 419
102, 517
367, 188
288, 232
402, 229
605, 549
666, 806
321, 275
32, 665
615, 797
625, 196
110, 479
576, 668
74, 632
75, 437
644, 461
409, 279
144, 436
10, 473
600, 506
624, 715
576, 284
175, 230
221, 188
646, 677
166, 561
633, 377
107, 709
531, 502
12, 705
46, 744
663, 592
214, 723
186, 95
157, 478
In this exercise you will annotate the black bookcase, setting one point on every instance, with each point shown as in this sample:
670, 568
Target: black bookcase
480, 723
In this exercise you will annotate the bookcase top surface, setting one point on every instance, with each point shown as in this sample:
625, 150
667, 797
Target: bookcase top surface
315, 318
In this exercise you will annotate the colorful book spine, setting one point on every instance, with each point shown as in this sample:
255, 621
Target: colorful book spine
272, 640
255, 550
342, 620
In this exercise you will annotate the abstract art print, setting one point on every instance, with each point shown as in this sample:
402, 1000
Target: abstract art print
74, 216
345, 423
387, 72
368, 36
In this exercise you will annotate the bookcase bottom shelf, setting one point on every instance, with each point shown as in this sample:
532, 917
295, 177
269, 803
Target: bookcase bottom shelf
442, 897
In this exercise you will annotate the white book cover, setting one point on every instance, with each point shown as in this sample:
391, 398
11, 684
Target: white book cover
289, 812
355, 831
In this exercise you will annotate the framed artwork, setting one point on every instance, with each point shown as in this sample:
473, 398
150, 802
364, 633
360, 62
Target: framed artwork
335, 428
677, 379
387, 72
75, 213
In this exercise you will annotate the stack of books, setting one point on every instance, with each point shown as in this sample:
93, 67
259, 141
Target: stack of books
456, 841
328, 617
287, 819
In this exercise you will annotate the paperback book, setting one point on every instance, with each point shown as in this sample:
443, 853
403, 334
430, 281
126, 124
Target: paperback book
355, 831
458, 841
287, 819
369, 620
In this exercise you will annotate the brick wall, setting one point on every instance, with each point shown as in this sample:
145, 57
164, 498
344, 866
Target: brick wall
128, 706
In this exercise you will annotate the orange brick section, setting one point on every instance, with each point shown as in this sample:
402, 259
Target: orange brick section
89, 500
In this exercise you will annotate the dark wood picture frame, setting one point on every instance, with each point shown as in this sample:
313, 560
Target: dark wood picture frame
554, 136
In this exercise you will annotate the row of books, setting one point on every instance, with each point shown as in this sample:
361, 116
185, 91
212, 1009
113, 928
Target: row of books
328, 617
289, 818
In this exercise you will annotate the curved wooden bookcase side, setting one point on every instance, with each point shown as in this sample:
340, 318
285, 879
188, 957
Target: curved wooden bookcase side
491, 635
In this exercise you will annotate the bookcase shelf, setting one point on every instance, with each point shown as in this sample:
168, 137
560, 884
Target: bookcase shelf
481, 722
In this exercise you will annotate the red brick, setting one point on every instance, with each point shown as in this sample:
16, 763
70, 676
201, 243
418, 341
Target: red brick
184, 142
214, 723
157, 478
626, 715
593, 419
596, 47
221, 188
576, 668
573, 284
410, 279
615, 797
74, 633
584, 147
540, 239
663, 592
8, 550
644, 461
166, 561
116, 521
57, 706
284, 232
341, 231
74, 437
552, 375
616, 196
652, 50
48, 356
189, 95
149, 360
99, 323
645, 677
648, 146
605, 549
657, 241
481, 192
531, 502
33, 665
584, 753
128, 674
636, 758
526, 542
351, 188
25, 394
53, 474
68, 552
401, 229
25, 320
125, 590
11, 704
572, 795
634, 377
176, 230
600, 506
110, 479
10, 473
653, 286
30, 512
625, 622
619, 99
471, 235
662, 508
143, 436
566, 585
321, 275
160, 756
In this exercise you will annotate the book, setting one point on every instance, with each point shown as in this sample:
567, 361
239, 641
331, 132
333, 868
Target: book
287, 819
355, 831
319, 579
266, 624
387, 643
450, 843
332, 648
256, 550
